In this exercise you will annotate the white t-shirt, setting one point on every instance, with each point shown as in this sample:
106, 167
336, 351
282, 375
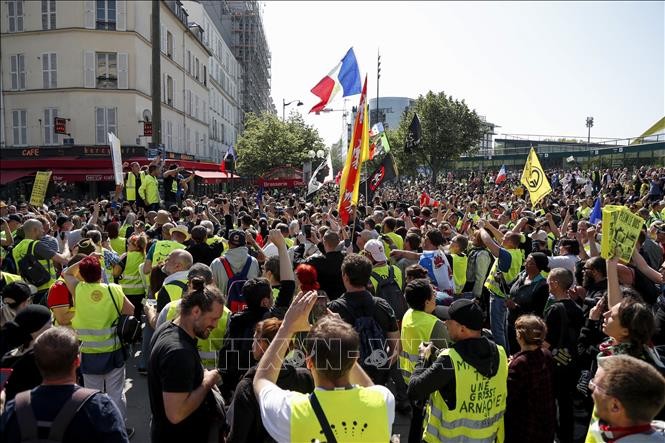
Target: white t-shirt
275, 406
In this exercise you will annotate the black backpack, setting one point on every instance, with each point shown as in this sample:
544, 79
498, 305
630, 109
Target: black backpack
31, 269
388, 289
373, 354
28, 424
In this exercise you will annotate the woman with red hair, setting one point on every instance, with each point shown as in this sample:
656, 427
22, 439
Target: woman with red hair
98, 307
307, 278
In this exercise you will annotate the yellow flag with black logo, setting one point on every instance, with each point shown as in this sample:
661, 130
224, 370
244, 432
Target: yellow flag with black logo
534, 179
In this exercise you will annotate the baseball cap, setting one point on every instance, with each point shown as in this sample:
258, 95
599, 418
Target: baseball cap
86, 246
237, 238
465, 312
375, 249
181, 229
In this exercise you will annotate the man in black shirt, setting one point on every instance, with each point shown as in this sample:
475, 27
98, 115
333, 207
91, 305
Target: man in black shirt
329, 266
358, 302
201, 251
564, 319
179, 387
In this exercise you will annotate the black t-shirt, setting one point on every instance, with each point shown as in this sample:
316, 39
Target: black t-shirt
352, 305
175, 366
564, 321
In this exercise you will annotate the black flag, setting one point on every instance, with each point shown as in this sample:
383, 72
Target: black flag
413, 136
385, 172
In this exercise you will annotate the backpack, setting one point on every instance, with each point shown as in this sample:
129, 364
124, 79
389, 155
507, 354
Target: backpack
471, 265
235, 299
31, 269
388, 289
28, 424
373, 355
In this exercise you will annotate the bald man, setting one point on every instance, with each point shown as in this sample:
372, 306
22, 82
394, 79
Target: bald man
175, 267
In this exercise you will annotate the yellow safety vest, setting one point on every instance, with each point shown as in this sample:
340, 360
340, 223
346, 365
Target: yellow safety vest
355, 415
119, 244
149, 189
460, 263
289, 242
95, 315
209, 347
397, 240
175, 289
162, 250
130, 185
480, 403
417, 328
11, 278
515, 265
551, 238
130, 280
383, 272
21, 250
216, 239
122, 232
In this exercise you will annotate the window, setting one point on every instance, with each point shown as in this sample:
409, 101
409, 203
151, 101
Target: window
205, 75
17, 69
20, 127
15, 15
105, 122
106, 14
189, 62
196, 142
196, 69
169, 134
196, 106
188, 139
169, 44
49, 70
50, 137
204, 107
188, 97
107, 70
169, 90
48, 14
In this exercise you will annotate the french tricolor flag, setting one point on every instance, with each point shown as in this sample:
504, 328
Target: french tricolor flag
344, 76
501, 176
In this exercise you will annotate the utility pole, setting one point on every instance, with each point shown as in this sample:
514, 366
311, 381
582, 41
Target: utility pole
589, 125
156, 75
378, 76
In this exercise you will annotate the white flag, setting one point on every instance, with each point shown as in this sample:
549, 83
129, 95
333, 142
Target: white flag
116, 157
322, 175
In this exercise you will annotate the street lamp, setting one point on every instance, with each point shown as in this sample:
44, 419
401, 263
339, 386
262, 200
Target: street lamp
307, 167
285, 104
589, 125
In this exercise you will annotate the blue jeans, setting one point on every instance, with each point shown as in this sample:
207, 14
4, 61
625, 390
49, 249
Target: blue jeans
498, 320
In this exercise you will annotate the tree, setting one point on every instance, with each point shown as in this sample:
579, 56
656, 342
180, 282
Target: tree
268, 142
449, 129
338, 155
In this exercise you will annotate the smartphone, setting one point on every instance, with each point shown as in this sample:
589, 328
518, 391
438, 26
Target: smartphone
320, 308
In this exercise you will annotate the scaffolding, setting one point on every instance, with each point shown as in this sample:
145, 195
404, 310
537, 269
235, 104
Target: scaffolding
250, 47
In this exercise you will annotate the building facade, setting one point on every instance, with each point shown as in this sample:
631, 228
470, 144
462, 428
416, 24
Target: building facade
242, 28
390, 110
90, 62
224, 75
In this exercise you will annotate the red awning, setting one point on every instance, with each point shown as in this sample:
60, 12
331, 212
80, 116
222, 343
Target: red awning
10, 176
215, 176
83, 175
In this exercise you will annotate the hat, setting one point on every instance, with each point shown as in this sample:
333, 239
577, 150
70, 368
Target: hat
3, 204
162, 217
33, 318
181, 229
86, 246
375, 249
237, 238
538, 236
17, 292
466, 313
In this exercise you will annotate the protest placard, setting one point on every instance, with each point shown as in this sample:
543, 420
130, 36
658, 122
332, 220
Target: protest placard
39, 188
621, 228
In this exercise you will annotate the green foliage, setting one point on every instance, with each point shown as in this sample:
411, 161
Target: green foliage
268, 142
449, 129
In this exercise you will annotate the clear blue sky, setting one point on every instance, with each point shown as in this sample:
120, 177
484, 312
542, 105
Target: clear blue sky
530, 67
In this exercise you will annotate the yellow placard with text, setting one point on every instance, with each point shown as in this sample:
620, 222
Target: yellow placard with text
39, 187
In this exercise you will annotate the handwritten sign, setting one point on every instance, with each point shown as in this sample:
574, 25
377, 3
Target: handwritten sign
116, 157
39, 188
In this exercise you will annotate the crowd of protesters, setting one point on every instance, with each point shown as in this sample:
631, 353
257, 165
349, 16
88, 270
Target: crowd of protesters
456, 305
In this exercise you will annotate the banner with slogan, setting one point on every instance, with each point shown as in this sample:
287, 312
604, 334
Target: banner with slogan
534, 179
39, 188
116, 156
621, 229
